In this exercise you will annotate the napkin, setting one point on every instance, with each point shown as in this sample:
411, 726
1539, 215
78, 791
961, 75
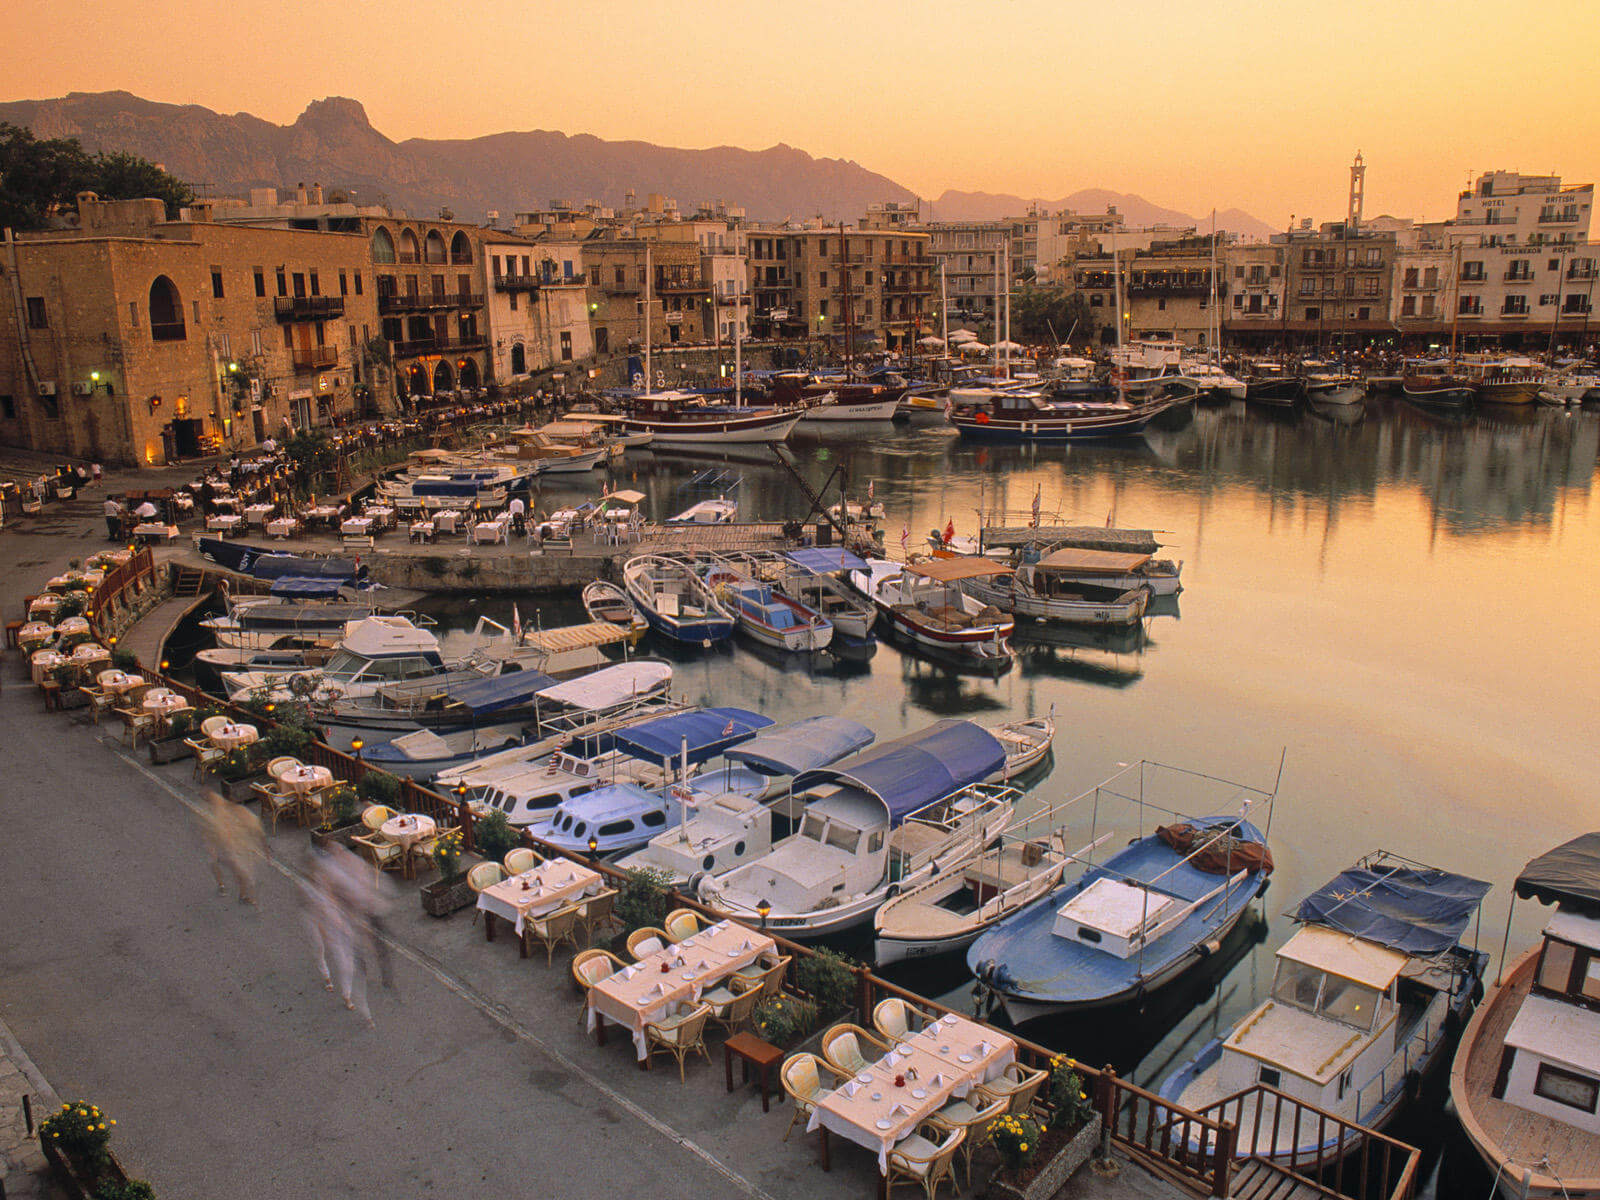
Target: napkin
899, 1110
628, 972
658, 990
851, 1088
939, 1080
702, 965
745, 945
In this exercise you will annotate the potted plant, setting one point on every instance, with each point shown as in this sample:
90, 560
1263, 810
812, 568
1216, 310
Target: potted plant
494, 837
1036, 1161
341, 816
450, 891
785, 1021
76, 1144
829, 979
174, 745
125, 660
68, 677
235, 771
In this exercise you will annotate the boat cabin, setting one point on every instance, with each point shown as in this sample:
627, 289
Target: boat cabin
727, 829
1118, 917
527, 792
609, 820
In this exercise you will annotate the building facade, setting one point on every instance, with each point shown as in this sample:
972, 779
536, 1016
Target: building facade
851, 289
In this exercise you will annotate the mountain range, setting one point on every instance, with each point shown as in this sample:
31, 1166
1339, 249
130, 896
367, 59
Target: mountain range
332, 142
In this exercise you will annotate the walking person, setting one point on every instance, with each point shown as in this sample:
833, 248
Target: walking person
234, 841
114, 513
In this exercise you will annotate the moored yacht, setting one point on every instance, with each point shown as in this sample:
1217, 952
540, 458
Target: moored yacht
924, 602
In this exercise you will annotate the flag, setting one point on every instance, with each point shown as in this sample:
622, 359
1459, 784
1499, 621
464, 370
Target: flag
869, 489
1036, 507
516, 624
727, 730
950, 532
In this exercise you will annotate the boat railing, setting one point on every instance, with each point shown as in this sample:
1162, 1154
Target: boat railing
1397, 1071
1336, 1155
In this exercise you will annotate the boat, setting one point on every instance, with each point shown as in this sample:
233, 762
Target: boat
719, 510
1334, 388
1117, 570
438, 479
1437, 389
1569, 387
675, 600
1027, 743
1506, 381
730, 821
1272, 385
811, 576
282, 655
681, 418
303, 607
607, 425
924, 602
374, 651
1526, 1078
1027, 415
1130, 924
948, 912
1212, 381
873, 825
856, 513
859, 402
763, 612
546, 453
607, 602
1366, 997
1035, 591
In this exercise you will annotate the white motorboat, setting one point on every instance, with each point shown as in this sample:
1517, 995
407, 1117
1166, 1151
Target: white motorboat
374, 651
1029, 591
1114, 570
811, 576
718, 511
675, 600
1333, 388
924, 602
766, 614
872, 826
834, 407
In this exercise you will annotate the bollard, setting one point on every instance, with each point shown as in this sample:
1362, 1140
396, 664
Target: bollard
27, 1119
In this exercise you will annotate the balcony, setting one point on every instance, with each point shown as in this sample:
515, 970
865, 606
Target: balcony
1519, 276
307, 308
408, 257
518, 283
669, 287
1581, 272
314, 358
1558, 218
394, 302
167, 331
422, 346
460, 260
624, 288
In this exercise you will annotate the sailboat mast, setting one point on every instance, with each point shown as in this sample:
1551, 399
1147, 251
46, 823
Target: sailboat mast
1216, 318
648, 284
1008, 307
1122, 366
738, 355
944, 310
1455, 314
995, 349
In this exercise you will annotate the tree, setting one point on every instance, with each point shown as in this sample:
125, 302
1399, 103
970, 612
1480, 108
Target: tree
41, 178
1049, 313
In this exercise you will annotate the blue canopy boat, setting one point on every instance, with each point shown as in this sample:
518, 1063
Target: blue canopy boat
1366, 997
1128, 925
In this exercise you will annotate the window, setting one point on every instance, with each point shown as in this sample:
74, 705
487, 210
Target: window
566, 346
283, 282
1566, 1087
1411, 277
1408, 306
654, 820
512, 297
37, 318
1238, 272
358, 283
166, 311
8, 408
261, 283
613, 829
1269, 1076
344, 284
602, 341
1515, 306
1547, 301
1313, 314
1555, 966
316, 285
822, 279
618, 272
216, 283
255, 341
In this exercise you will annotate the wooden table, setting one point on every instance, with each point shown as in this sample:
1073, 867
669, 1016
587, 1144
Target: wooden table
755, 1053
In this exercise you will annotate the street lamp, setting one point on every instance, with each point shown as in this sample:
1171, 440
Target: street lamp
355, 745
594, 844
763, 907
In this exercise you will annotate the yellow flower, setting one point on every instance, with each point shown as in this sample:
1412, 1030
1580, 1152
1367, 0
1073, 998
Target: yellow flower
113, 1122
1023, 1147
1083, 1095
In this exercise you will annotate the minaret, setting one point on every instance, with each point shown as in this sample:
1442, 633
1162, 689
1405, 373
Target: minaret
1358, 187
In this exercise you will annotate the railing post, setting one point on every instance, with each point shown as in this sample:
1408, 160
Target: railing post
1222, 1163
1105, 1101
863, 995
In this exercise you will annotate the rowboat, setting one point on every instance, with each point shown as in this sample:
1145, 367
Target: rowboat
1027, 743
675, 600
607, 602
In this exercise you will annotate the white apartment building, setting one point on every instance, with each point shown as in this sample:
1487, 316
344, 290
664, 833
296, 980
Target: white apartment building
537, 306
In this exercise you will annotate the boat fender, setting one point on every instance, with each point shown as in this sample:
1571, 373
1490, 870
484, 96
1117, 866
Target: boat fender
1207, 949
894, 890
695, 880
1413, 1085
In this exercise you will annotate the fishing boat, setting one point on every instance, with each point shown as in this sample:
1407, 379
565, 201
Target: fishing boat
456, 482
607, 602
1027, 743
768, 615
681, 418
873, 825
302, 607
1366, 998
855, 512
282, 655
1116, 570
1036, 591
949, 911
720, 510
1272, 385
675, 600
729, 817
1437, 389
545, 453
1007, 414
811, 576
1334, 388
923, 601
859, 402
1506, 380
1526, 1077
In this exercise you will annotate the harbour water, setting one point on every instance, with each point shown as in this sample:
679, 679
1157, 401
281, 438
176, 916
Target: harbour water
1394, 604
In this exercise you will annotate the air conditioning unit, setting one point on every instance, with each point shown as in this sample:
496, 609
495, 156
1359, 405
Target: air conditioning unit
82, 388
47, 387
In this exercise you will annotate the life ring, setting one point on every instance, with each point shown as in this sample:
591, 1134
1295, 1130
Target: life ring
982, 418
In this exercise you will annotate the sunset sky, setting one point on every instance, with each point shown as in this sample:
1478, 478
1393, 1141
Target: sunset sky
1192, 105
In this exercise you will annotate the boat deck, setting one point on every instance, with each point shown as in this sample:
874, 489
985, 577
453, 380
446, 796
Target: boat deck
1524, 1138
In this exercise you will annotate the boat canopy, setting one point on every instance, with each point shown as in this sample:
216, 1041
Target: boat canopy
948, 570
1569, 876
609, 686
825, 560
914, 771
802, 746
498, 691
626, 496
1346, 957
306, 588
1092, 562
706, 732
1412, 910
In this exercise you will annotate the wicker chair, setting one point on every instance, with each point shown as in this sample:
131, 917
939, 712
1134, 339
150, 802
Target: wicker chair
732, 1005
896, 1019
551, 929
274, 802
484, 875
975, 1117
378, 850
374, 815
1018, 1085
210, 726
639, 941
597, 911
136, 723
277, 766
681, 923
926, 1157
520, 859
769, 974
806, 1079
679, 1035
845, 1047
204, 754
100, 703
589, 967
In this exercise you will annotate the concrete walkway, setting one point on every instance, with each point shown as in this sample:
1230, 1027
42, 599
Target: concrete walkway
23, 1170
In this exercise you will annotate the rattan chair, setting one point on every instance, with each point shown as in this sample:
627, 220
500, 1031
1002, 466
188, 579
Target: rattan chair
681, 923
896, 1019
846, 1046
274, 802
641, 939
520, 859
484, 875
374, 815
551, 929
732, 1005
204, 754
378, 850
975, 1116
679, 1035
926, 1157
277, 766
806, 1079
597, 911
589, 967
1018, 1085
769, 973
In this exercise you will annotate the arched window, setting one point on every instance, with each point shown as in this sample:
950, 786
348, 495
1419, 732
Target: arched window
443, 377
468, 376
460, 248
433, 247
166, 311
408, 247
382, 246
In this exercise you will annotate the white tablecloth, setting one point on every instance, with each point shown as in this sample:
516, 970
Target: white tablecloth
407, 829
549, 885
281, 527
357, 526
489, 531
446, 520
232, 737
164, 702
223, 522
117, 682
257, 514
303, 780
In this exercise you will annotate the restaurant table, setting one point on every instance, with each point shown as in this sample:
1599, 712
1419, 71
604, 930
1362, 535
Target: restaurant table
257, 514
233, 736
73, 627
90, 653
944, 1061
489, 531
422, 531
382, 514
281, 527
305, 779
320, 512
119, 682
164, 702
34, 634
47, 605
643, 993
536, 891
43, 662
155, 531
447, 520
357, 527
405, 831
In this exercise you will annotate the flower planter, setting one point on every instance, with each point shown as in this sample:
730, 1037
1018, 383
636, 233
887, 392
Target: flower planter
445, 896
169, 750
321, 838
1050, 1175
239, 790
76, 1184
73, 697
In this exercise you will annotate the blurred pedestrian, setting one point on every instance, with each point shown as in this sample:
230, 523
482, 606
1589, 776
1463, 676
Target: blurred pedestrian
234, 841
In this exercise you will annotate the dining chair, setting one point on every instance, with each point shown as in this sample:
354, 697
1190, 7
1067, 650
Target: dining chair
520, 859
597, 911
896, 1019
806, 1079
277, 766
645, 941
769, 973
975, 1116
274, 802
374, 815
1019, 1085
212, 725
551, 929
484, 875
100, 703
680, 1034
378, 850
732, 1003
589, 967
681, 923
926, 1157
845, 1047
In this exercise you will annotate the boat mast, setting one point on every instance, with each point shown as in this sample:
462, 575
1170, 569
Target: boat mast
1216, 320
647, 289
1008, 307
995, 349
944, 311
1455, 315
1555, 319
1122, 366
849, 315
738, 357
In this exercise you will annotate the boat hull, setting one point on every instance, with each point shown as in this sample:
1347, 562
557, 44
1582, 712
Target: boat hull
1280, 392
1518, 392
987, 427
1352, 393
839, 410
760, 426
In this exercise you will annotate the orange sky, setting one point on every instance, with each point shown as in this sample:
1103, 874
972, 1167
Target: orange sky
1192, 105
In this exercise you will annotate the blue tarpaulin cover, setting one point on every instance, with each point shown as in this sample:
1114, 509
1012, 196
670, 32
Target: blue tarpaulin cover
803, 746
301, 587
1415, 910
913, 771
501, 691
709, 731
824, 560
272, 564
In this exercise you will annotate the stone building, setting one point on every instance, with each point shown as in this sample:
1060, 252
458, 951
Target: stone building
680, 298
537, 306
1339, 283
1166, 291
850, 289
1251, 291
135, 339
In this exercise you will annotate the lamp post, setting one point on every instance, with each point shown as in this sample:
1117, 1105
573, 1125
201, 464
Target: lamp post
594, 845
763, 907
355, 746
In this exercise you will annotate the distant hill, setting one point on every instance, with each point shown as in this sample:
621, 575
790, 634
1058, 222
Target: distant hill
333, 143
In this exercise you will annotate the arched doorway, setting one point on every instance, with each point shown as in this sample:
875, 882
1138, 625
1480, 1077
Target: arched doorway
166, 311
461, 248
417, 380
433, 247
443, 377
519, 359
408, 247
382, 246
468, 373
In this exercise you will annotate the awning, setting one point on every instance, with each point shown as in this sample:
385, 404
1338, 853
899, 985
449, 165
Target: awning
301, 587
803, 746
706, 731
948, 570
1409, 909
627, 496
1569, 876
824, 560
1344, 956
501, 691
610, 686
914, 771
1092, 562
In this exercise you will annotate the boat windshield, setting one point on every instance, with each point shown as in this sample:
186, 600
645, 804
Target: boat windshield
344, 665
1332, 996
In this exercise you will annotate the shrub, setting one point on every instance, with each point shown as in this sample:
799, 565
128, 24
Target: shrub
1070, 1105
447, 854
235, 765
379, 787
72, 605
182, 723
340, 807
287, 739
1016, 1140
644, 899
134, 1189
784, 1020
80, 1131
828, 978
493, 835
125, 660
